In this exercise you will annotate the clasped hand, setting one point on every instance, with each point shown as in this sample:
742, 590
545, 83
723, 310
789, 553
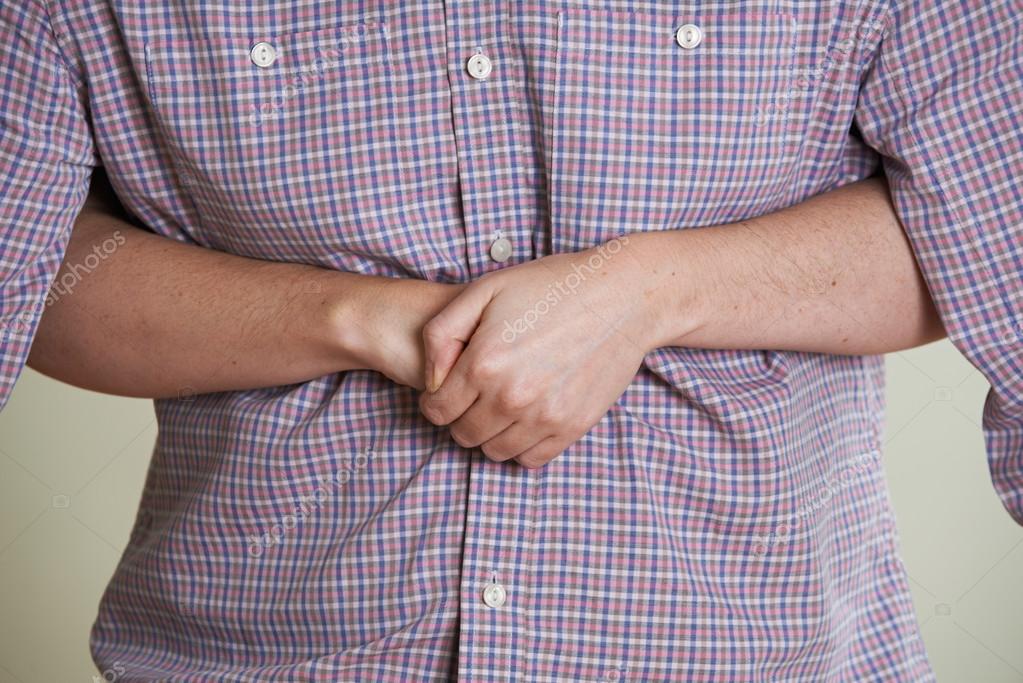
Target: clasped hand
525, 360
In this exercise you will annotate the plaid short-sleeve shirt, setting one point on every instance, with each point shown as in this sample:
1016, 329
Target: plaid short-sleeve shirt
727, 519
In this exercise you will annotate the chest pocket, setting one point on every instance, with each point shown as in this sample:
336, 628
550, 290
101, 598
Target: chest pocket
668, 121
307, 146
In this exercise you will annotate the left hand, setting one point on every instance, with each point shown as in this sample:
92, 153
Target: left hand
527, 359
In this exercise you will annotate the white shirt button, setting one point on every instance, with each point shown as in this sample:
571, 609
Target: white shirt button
263, 54
494, 595
689, 36
501, 249
479, 66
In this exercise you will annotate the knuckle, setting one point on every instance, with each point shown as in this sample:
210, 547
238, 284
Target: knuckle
484, 368
550, 414
533, 461
433, 331
496, 452
435, 417
432, 412
463, 436
514, 398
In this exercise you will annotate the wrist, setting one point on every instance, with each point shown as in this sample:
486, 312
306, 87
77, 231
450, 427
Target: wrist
336, 318
670, 285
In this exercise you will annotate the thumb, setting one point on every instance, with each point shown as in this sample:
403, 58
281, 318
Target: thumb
448, 332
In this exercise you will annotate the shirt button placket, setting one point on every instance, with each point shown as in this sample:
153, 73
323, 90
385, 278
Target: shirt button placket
485, 78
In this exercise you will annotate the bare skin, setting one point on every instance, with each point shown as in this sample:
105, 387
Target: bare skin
833, 275
159, 319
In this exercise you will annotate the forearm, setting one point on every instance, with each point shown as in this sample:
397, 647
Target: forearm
137, 314
834, 274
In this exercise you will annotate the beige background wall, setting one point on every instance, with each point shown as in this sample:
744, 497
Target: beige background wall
72, 465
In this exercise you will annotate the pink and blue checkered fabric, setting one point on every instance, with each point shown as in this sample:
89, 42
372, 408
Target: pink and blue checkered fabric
727, 520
